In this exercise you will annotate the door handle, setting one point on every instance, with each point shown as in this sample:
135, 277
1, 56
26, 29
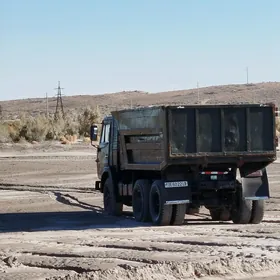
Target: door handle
97, 160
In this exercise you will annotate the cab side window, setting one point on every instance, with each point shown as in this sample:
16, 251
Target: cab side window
105, 133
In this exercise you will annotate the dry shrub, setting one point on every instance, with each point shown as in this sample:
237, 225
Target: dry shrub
64, 140
278, 124
63, 126
70, 138
14, 130
34, 128
86, 139
86, 119
4, 133
41, 128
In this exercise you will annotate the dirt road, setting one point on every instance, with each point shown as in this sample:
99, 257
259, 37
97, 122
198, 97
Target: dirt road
52, 227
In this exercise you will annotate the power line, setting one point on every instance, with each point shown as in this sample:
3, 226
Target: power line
59, 104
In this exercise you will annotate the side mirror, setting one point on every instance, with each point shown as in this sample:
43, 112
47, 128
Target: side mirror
93, 134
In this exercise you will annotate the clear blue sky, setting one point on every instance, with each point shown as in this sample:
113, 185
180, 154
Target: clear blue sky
105, 46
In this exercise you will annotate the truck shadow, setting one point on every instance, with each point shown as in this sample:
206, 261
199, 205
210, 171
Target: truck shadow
53, 221
76, 220
74, 201
89, 217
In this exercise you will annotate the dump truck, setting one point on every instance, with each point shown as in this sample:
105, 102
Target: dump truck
166, 161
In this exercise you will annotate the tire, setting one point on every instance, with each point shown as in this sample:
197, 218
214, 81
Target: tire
178, 214
110, 204
220, 214
160, 213
242, 209
140, 200
258, 209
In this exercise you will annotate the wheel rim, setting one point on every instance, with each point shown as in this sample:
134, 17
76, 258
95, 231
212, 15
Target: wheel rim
155, 203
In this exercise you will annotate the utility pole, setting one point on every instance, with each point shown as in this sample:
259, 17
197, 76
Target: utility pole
59, 104
47, 105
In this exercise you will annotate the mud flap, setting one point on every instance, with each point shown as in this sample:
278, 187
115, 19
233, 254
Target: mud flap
256, 188
178, 192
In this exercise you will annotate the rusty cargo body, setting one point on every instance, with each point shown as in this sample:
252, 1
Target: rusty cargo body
153, 138
183, 157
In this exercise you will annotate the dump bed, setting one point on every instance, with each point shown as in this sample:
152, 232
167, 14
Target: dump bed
153, 137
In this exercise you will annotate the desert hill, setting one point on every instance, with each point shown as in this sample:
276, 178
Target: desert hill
237, 93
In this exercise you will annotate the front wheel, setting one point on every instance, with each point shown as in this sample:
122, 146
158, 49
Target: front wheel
111, 206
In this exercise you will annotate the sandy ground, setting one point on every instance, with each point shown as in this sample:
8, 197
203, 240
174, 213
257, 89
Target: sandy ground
52, 227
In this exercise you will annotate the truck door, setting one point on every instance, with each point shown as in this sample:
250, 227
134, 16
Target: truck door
103, 148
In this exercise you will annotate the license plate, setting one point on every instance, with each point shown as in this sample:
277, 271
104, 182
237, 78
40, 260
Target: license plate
179, 184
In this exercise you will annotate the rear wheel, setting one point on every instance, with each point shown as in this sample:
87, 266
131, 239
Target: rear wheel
178, 214
258, 209
242, 209
160, 213
140, 200
111, 206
